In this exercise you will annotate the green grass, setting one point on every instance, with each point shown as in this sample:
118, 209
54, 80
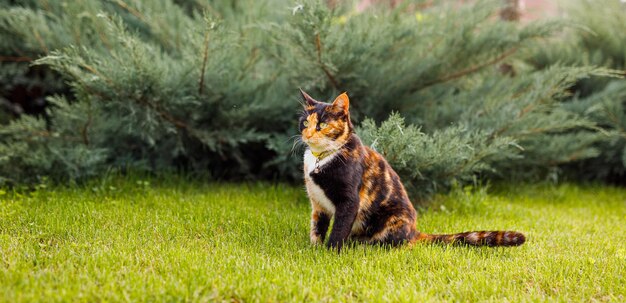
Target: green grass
125, 240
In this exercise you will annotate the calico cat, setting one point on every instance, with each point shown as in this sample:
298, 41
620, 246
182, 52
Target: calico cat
355, 184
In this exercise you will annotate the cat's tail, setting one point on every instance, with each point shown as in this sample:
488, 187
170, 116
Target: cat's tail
475, 238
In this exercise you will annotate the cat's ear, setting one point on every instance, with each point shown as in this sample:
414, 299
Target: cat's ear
309, 101
342, 103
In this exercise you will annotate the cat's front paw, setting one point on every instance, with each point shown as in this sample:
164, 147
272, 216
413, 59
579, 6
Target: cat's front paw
334, 245
316, 240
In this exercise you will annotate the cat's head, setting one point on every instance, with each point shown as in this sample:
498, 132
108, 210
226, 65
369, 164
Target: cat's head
325, 126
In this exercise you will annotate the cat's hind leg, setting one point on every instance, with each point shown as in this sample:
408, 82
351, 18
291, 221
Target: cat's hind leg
396, 232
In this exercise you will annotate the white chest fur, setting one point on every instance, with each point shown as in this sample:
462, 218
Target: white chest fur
316, 194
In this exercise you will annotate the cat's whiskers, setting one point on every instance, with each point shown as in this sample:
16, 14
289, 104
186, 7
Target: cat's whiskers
297, 142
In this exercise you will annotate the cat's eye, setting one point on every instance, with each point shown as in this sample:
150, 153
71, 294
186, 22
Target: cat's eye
306, 123
323, 125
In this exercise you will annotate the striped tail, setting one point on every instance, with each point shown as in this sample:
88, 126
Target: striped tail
476, 238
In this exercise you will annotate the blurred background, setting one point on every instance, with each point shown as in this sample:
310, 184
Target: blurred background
451, 92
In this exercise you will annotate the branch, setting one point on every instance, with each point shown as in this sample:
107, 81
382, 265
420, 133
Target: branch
318, 45
468, 70
95, 72
165, 115
47, 134
42, 44
84, 131
254, 57
131, 10
204, 60
15, 59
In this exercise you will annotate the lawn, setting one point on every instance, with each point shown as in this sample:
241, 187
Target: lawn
132, 240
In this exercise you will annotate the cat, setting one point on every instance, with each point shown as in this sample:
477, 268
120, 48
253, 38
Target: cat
357, 186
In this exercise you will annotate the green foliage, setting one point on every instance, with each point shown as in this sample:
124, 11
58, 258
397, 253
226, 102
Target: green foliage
390, 59
211, 88
28, 148
159, 97
600, 41
518, 128
431, 162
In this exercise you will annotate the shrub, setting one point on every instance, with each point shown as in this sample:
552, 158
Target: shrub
600, 40
212, 89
